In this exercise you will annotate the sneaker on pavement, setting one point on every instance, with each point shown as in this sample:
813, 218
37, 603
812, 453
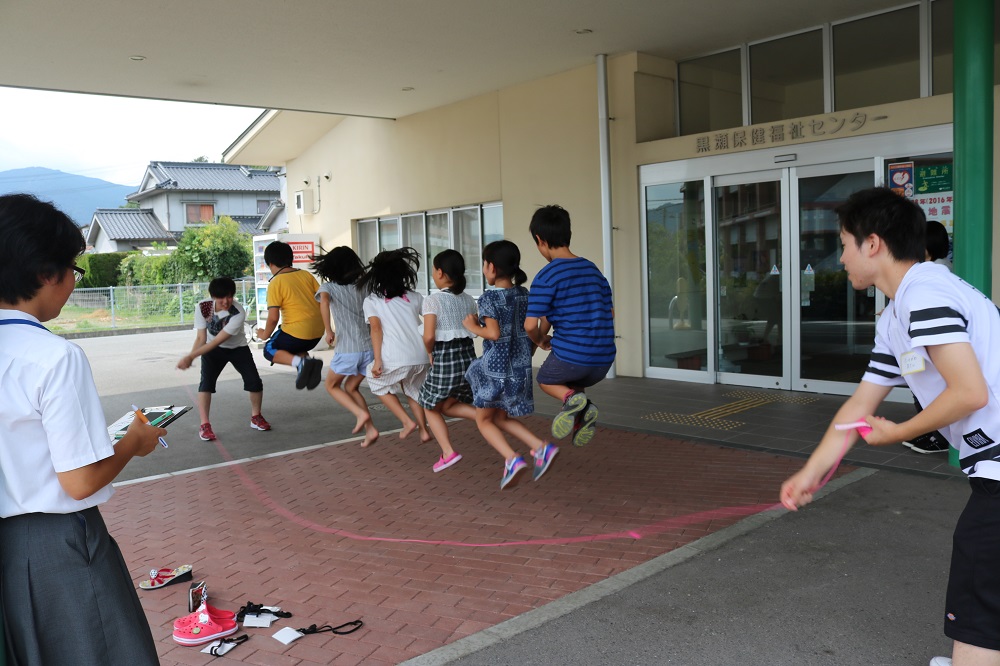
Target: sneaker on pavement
259, 423
511, 469
445, 463
563, 423
315, 371
585, 427
205, 432
931, 443
302, 374
543, 458
941, 661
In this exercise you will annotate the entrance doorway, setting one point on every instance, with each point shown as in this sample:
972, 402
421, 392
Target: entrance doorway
744, 284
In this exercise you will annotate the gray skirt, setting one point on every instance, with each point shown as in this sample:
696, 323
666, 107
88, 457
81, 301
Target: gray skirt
67, 596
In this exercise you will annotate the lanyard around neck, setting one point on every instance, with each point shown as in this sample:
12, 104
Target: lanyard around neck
27, 322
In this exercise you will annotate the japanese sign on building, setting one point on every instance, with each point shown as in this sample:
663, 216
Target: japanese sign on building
762, 136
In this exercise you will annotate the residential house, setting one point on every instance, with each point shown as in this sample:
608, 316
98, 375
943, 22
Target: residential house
175, 196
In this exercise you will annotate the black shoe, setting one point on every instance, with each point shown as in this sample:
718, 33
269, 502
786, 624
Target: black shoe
302, 374
930, 443
315, 371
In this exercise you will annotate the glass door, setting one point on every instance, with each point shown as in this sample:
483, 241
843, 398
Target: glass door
750, 214
834, 324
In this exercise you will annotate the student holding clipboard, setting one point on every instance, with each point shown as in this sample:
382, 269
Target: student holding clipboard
67, 595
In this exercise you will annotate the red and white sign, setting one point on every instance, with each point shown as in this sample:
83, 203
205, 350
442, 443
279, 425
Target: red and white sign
302, 251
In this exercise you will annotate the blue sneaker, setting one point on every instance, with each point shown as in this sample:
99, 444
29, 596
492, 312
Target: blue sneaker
562, 424
511, 469
543, 458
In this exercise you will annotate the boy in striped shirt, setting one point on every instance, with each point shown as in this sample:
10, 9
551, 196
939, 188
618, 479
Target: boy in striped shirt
938, 337
572, 296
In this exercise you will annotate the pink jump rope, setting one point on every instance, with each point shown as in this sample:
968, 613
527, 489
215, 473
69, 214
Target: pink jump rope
863, 429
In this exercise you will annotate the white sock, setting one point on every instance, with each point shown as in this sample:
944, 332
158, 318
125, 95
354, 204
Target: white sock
296, 361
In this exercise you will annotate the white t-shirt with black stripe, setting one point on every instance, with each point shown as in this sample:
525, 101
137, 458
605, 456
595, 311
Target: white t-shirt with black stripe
934, 307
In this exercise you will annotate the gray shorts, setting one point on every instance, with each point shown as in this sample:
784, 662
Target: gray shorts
559, 373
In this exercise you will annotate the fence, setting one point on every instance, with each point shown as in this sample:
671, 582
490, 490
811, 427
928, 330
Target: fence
142, 306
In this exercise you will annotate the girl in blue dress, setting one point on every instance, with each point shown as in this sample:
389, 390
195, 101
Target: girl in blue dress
501, 378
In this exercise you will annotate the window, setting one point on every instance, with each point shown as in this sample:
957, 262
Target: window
943, 46
465, 229
199, 213
711, 92
786, 77
262, 206
869, 69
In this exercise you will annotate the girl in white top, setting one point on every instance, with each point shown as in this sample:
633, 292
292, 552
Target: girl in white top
67, 595
451, 349
392, 309
339, 296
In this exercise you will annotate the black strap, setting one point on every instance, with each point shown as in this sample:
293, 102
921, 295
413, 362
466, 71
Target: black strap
27, 322
235, 640
258, 609
313, 629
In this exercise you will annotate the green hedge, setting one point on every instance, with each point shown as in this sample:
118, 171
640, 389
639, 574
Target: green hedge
102, 269
139, 269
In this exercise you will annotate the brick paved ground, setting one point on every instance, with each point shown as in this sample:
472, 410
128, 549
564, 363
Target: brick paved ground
318, 533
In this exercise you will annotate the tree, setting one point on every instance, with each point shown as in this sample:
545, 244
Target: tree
201, 158
217, 249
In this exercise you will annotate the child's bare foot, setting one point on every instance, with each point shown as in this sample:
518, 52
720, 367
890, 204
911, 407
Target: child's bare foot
370, 438
408, 430
425, 436
362, 420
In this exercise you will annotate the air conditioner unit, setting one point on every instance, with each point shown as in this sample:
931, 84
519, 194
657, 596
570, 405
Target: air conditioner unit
304, 202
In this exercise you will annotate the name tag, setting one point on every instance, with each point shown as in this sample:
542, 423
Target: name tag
910, 363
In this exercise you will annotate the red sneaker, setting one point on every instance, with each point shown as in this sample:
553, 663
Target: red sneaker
205, 432
258, 423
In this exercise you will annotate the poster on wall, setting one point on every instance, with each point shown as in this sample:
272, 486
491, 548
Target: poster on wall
931, 189
901, 178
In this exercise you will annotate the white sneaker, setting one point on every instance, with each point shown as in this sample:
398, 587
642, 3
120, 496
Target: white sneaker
941, 661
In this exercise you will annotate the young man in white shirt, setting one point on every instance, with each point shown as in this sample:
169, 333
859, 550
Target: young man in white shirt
937, 336
68, 597
219, 339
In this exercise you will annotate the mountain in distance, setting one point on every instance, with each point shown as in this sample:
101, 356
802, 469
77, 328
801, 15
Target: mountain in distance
77, 196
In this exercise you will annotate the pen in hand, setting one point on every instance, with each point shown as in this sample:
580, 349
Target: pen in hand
142, 417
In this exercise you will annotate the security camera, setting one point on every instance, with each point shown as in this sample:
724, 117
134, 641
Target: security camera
305, 181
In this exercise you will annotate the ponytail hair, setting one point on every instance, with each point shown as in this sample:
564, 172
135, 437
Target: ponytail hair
506, 260
391, 273
452, 264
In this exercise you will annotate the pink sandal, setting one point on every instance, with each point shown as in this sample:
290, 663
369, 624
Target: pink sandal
201, 627
162, 577
216, 614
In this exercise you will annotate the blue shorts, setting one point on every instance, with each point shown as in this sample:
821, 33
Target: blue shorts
281, 341
352, 363
559, 373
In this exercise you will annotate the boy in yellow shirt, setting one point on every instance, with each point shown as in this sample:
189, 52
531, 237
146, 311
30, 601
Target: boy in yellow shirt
290, 295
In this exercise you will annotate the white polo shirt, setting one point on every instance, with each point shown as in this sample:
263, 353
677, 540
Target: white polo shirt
934, 307
51, 419
402, 336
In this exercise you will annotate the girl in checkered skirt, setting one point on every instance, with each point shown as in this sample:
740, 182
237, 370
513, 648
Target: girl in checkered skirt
501, 379
392, 310
450, 345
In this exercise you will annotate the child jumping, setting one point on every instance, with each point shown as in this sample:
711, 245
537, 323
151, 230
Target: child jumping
572, 296
290, 296
451, 349
392, 309
219, 339
501, 379
340, 300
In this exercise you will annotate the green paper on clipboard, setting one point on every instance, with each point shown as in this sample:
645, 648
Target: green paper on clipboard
158, 416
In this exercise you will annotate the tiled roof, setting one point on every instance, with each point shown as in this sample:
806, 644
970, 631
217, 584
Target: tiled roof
208, 177
248, 223
130, 224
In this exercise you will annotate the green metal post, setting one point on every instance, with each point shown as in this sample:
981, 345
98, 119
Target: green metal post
973, 115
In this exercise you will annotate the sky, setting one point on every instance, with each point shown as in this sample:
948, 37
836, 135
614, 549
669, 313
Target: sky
111, 138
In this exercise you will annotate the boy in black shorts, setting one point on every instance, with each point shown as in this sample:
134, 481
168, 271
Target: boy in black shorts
219, 339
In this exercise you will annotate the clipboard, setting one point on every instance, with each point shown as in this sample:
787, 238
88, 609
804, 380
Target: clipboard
161, 417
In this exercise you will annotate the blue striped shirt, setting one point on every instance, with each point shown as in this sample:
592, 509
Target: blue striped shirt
576, 298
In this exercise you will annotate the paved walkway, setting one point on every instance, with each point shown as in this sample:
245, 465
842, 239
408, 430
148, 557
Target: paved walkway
442, 565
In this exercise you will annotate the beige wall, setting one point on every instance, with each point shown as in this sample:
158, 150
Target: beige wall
527, 145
